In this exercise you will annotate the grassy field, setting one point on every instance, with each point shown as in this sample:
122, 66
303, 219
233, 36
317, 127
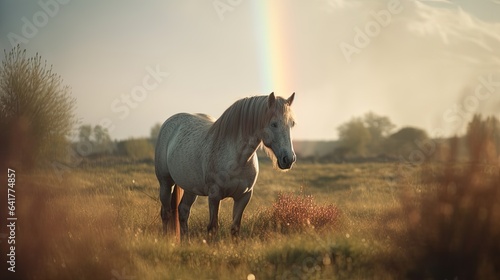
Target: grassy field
102, 222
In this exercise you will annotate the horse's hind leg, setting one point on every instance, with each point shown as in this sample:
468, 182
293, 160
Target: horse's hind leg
166, 187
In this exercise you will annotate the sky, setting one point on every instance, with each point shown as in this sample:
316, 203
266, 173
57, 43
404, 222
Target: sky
132, 64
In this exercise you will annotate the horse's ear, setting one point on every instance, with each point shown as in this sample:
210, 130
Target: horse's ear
289, 101
271, 100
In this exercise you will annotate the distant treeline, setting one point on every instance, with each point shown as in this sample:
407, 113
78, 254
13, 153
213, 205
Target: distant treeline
365, 139
371, 138
96, 142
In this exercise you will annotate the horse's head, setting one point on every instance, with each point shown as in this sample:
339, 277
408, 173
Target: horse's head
277, 132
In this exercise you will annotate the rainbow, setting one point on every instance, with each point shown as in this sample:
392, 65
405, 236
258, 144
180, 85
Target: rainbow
271, 37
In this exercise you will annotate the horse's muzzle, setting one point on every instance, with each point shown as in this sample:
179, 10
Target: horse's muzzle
286, 162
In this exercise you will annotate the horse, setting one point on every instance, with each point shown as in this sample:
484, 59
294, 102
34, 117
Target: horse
196, 155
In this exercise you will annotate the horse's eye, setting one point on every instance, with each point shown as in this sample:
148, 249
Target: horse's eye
274, 125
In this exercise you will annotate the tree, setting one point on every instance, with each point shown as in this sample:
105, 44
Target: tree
101, 134
102, 139
155, 131
98, 137
34, 100
379, 128
85, 131
405, 140
138, 149
354, 136
363, 136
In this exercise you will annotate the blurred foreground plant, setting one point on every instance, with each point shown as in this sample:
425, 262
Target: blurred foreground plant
453, 229
36, 111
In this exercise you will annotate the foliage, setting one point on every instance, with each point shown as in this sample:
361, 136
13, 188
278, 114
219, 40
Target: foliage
98, 138
404, 140
364, 136
138, 149
155, 131
101, 135
354, 136
379, 128
85, 132
35, 106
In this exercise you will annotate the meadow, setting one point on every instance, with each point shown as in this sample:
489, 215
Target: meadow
102, 222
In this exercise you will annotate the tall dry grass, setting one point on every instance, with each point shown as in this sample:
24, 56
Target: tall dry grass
452, 229
103, 223
59, 237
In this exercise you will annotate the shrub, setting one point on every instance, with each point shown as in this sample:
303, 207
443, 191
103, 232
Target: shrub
139, 149
36, 110
295, 212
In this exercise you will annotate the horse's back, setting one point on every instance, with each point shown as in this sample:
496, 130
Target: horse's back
185, 121
180, 146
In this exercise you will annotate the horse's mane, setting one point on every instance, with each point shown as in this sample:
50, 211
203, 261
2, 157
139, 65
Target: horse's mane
248, 115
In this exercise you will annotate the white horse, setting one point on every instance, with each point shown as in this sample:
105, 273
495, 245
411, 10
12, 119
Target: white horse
218, 159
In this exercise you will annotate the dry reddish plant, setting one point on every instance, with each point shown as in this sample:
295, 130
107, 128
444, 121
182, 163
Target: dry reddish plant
294, 212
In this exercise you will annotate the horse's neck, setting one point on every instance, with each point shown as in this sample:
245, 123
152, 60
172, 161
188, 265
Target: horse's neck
251, 145
245, 147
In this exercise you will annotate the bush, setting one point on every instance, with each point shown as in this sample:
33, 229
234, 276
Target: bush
404, 141
36, 110
295, 212
138, 149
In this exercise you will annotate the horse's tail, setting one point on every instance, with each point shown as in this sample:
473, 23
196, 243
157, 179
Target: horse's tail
174, 204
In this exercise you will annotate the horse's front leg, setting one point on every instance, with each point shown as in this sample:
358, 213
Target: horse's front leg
213, 206
239, 206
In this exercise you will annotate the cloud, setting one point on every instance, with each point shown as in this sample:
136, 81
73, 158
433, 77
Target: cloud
463, 35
